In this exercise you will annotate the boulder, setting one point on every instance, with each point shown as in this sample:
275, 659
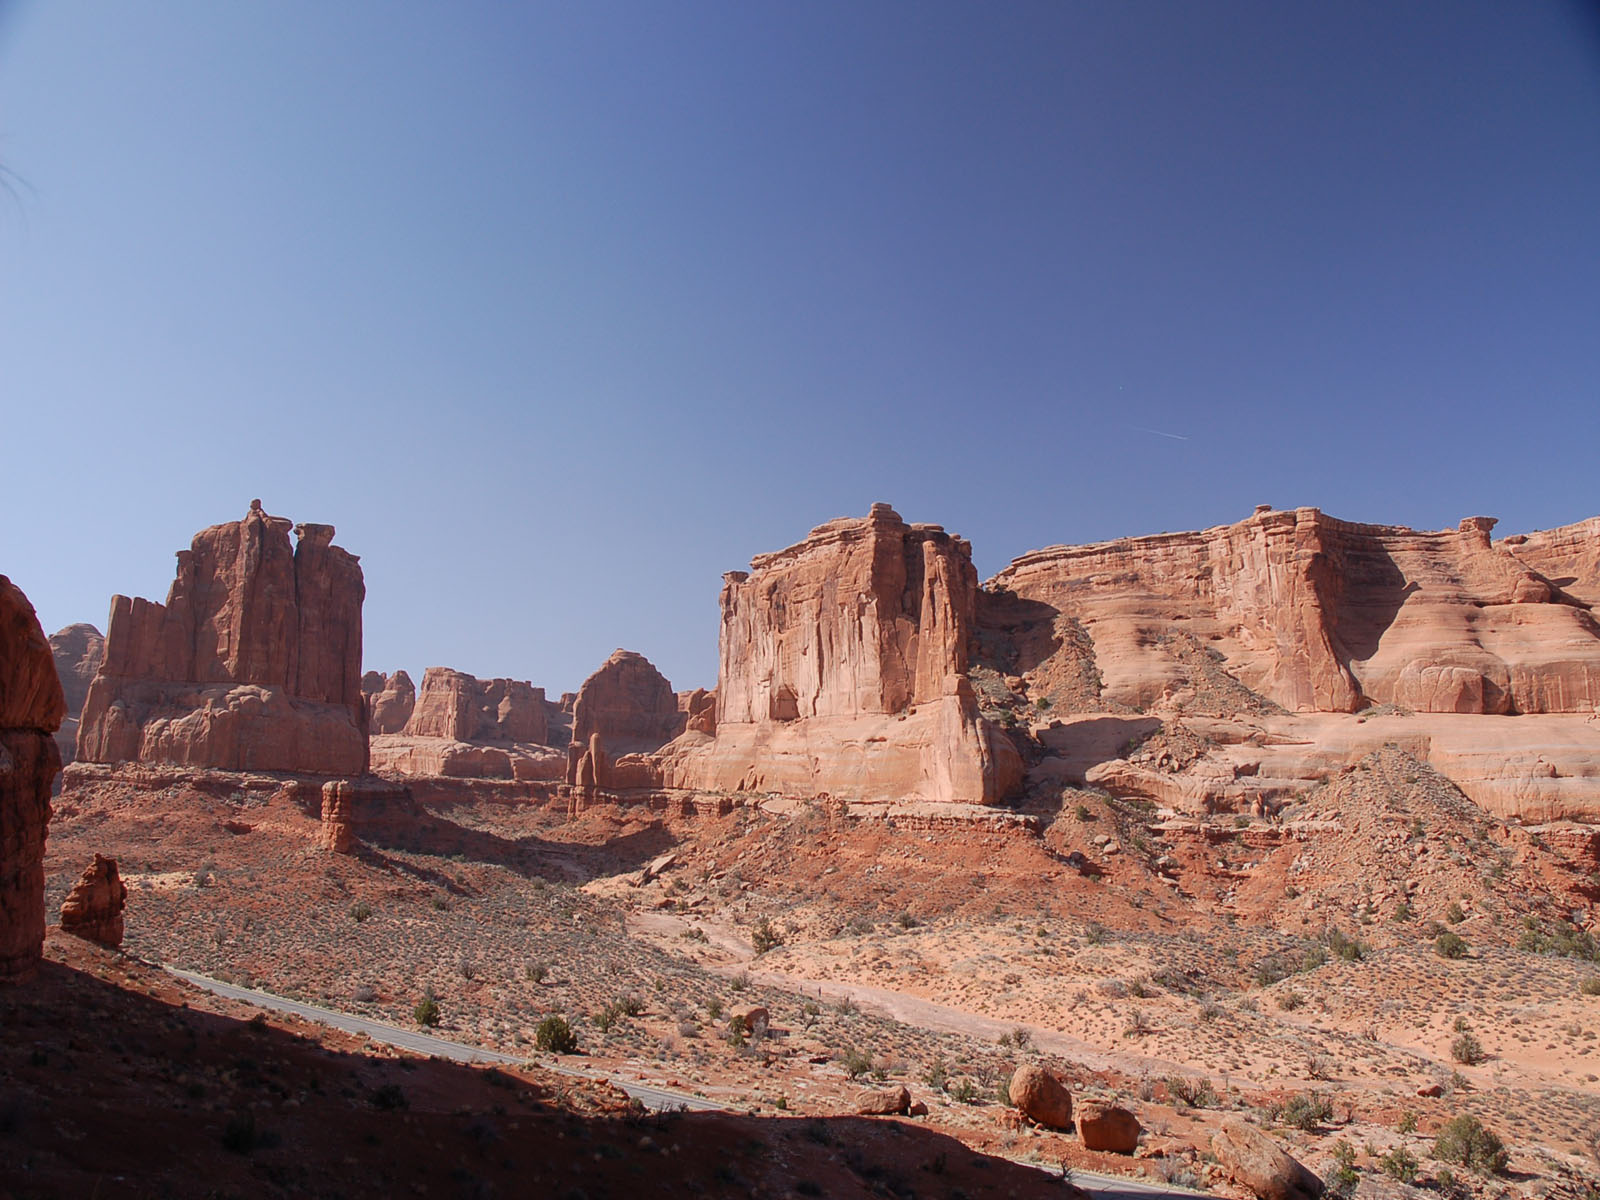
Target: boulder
1041, 1097
757, 1020
253, 663
32, 707
1108, 1127
1254, 1161
883, 1102
93, 909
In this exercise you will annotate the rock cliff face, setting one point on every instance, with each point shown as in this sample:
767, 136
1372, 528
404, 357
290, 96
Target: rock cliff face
253, 663
629, 704
390, 702
842, 669
79, 650
1265, 637
455, 705
1320, 615
31, 710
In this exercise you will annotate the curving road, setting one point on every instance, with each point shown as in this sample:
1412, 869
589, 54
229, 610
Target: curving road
1102, 1187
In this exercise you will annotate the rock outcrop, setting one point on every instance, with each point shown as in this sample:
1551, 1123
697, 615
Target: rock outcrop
462, 708
31, 710
93, 909
253, 663
390, 701
78, 650
1293, 644
1254, 1161
1314, 614
842, 669
629, 704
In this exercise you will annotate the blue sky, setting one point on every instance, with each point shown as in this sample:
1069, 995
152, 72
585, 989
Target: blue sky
558, 311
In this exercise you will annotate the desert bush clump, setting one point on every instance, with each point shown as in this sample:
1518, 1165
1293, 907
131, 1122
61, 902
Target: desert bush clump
1453, 914
1344, 1179
738, 1031
1348, 948
1466, 1049
555, 1035
360, 911
1450, 944
427, 1011
1196, 1093
1465, 1141
765, 936
1590, 986
856, 1063
1305, 1111
1400, 1165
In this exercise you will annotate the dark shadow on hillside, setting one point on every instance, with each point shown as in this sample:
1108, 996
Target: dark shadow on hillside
1084, 743
111, 1092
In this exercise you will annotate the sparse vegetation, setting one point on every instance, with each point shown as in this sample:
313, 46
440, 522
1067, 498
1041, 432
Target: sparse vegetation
427, 1012
1305, 1111
1466, 1049
555, 1036
1466, 1142
1450, 944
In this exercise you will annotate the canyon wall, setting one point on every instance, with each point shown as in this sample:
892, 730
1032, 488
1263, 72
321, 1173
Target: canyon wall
253, 662
31, 710
79, 651
842, 670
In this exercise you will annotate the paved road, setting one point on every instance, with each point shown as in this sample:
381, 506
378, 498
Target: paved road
1103, 1187
426, 1043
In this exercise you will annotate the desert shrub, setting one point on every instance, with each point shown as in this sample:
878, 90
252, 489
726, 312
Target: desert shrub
905, 920
1348, 948
738, 1030
389, 1098
1344, 1178
364, 993
856, 1063
427, 1011
1095, 934
1563, 940
538, 972
937, 1076
555, 1035
964, 1091
630, 1005
1082, 813
1290, 1000
1590, 986
1400, 1165
765, 936
1453, 914
714, 1008
1002, 1089
1450, 944
1407, 1123
1270, 971
1196, 1093
1465, 1141
1466, 1049
1305, 1111
360, 911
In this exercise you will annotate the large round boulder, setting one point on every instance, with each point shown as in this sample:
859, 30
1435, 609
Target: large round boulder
1253, 1160
1042, 1097
1108, 1127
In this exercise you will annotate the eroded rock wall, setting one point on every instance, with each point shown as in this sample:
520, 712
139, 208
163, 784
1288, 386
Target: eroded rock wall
253, 663
32, 707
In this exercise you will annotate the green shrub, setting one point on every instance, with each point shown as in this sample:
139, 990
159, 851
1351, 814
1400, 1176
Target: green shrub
555, 1035
1453, 914
1347, 948
427, 1011
856, 1063
738, 1030
538, 972
765, 936
360, 911
1466, 1049
1399, 1164
1450, 944
1305, 1111
1590, 986
1464, 1140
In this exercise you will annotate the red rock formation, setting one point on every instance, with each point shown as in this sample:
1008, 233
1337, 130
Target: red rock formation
31, 709
1042, 1097
842, 670
78, 650
93, 909
390, 702
1321, 615
455, 705
699, 709
629, 703
337, 832
253, 663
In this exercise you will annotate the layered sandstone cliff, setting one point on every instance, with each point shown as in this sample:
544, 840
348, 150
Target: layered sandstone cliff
842, 670
253, 663
459, 726
79, 651
31, 710
1261, 641
390, 701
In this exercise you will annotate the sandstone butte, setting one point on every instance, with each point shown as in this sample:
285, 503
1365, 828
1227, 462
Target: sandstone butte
31, 710
842, 669
78, 650
624, 711
459, 726
253, 663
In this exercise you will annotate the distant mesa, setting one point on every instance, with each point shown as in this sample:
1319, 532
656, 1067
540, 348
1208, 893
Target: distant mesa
252, 664
459, 726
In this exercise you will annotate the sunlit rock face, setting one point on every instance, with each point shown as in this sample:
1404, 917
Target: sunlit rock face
253, 663
842, 667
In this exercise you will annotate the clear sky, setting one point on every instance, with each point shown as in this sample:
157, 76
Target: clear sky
558, 311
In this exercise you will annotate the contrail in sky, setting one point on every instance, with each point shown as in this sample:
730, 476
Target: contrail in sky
1177, 437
